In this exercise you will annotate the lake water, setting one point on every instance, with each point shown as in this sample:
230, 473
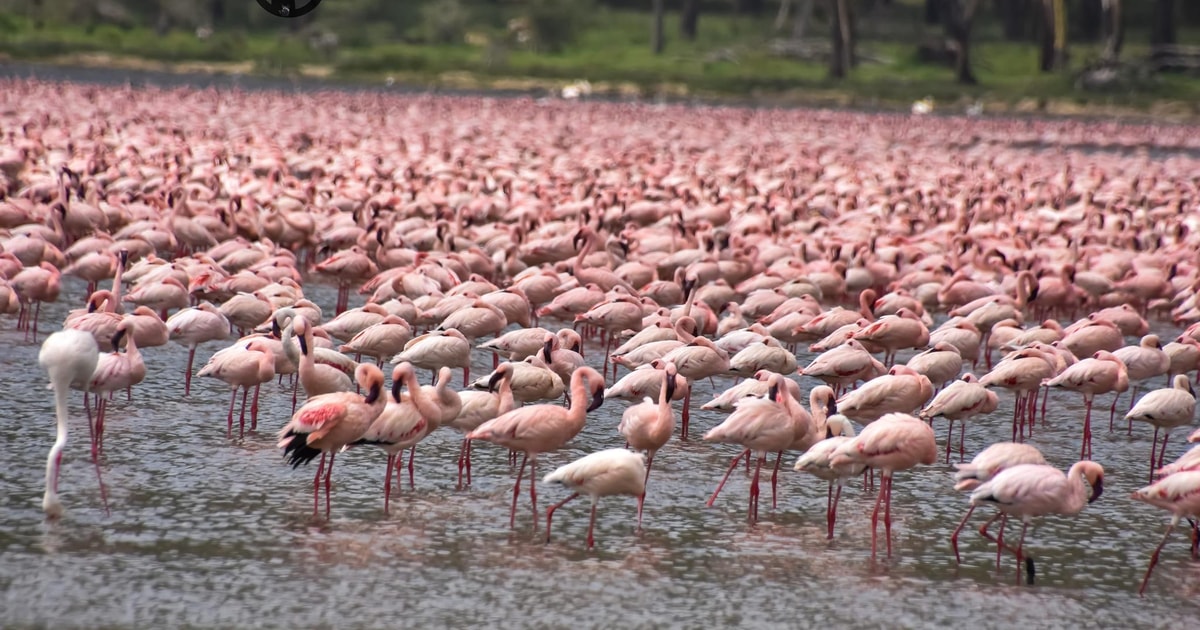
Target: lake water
211, 532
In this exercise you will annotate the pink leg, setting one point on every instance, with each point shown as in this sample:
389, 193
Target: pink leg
187, 377
412, 455
1154, 558
753, 512
591, 539
533, 488
875, 519
962, 435
831, 511
1112, 412
550, 512
328, 472
1153, 449
732, 465
886, 483
470, 451
954, 536
387, 483
687, 404
775, 479
229, 418
316, 480
1021, 550
254, 409
646, 480
512, 517
462, 458
1000, 542
949, 439
242, 417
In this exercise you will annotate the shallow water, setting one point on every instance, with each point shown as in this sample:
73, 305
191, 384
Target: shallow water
211, 532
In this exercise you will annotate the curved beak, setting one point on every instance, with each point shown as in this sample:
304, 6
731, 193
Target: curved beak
597, 399
303, 345
773, 392
396, 385
373, 393
116, 340
1097, 489
548, 348
670, 384
831, 407
276, 331
493, 382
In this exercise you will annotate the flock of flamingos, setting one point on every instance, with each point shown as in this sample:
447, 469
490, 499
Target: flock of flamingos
701, 246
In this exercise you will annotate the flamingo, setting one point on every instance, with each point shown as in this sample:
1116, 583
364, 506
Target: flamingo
1178, 493
901, 390
325, 424
892, 443
1031, 490
610, 472
115, 371
382, 340
67, 356
436, 349
1166, 409
699, 359
816, 461
1099, 374
316, 378
648, 426
242, 367
1023, 372
760, 426
964, 398
542, 428
845, 365
1144, 361
479, 407
194, 326
985, 465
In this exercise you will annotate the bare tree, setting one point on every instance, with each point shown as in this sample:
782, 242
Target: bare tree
841, 25
1113, 28
1162, 24
688, 19
957, 18
1053, 35
656, 39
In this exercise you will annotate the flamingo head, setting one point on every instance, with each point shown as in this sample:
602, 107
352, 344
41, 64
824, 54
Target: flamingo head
1094, 473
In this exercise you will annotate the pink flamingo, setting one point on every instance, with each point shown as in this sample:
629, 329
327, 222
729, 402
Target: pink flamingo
605, 473
1144, 361
987, 464
901, 390
193, 326
242, 368
316, 378
1166, 409
892, 443
542, 428
817, 461
1178, 493
325, 424
760, 426
648, 426
962, 399
1099, 374
436, 349
479, 407
115, 371
895, 332
1032, 490
699, 359
1022, 372
845, 365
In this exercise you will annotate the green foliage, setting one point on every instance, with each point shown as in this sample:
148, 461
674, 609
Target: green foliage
555, 24
445, 21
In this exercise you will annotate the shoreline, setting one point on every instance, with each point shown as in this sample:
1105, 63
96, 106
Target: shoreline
107, 68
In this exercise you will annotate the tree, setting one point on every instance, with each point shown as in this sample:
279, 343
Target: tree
1053, 36
957, 17
656, 39
1162, 24
1112, 28
841, 27
1015, 15
688, 19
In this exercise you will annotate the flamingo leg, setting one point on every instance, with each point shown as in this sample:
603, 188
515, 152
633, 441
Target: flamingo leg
1112, 412
187, 376
254, 409
642, 497
1000, 541
1162, 450
687, 404
1021, 553
591, 539
887, 512
1154, 557
949, 439
732, 465
533, 488
387, 483
1085, 452
328, 473
1153, 449
229, 418
831, 517
875, 519
954, 536
317, 482
962, 435
412, 455
550, 512
470, 451
753, 512
462, 457
242, 417
512, 517
775, 479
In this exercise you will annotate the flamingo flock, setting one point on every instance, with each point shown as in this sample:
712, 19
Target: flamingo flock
681, 250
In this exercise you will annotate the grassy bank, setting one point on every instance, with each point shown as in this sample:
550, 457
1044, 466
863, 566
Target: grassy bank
731, 58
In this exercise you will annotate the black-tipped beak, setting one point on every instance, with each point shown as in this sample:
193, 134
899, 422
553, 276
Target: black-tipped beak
548, 348
578, 348
276, 331
396, 385
577, 239
373, 393
831, 408
670, 384
773, 392
123, 255
116, 340
1097, 489
597, 399
303, 345
92, 306
688, 285
494, 382
624, 247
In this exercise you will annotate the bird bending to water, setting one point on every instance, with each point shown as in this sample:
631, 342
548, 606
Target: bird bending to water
987, 464
67, 355
1180, 494
605, 473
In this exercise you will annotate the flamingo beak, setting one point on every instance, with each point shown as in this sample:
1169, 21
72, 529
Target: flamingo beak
396, 385
831, 407
597, 399
116, 340
1097, 489
373, 393
497, 376
670, 384
303, 345
548, 348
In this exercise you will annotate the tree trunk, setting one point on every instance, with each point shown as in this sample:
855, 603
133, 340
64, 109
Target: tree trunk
781, 17
1060, 34
1015, 16
1091, 19
957, 18
216, 13
842, 36
1046, 36
1162, 25
803, 16
689, 19
932, 14
1114, 29
656, 37
1053, 35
